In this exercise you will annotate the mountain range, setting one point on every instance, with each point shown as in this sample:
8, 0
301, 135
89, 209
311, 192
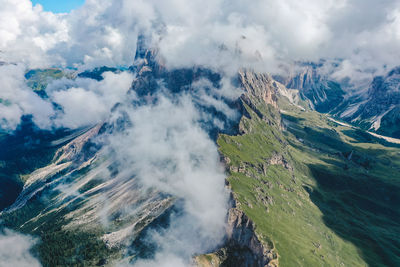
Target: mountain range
372, 106
305, 187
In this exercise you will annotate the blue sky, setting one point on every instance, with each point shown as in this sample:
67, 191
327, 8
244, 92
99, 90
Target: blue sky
59, 6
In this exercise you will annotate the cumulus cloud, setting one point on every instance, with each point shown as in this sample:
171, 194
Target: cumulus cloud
87, 101
15, 249
267, 34
27, 33
218, 33
81, 101
100, 33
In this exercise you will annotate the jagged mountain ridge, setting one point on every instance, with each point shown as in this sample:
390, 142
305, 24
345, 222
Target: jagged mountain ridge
310, 185
80, 183
373, 106
321, 93
380, 111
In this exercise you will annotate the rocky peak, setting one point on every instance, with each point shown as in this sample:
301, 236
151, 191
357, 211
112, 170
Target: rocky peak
322, 94
386, 89
379, 111
305, 80
241, 234
152, 72
394, 71
259, 86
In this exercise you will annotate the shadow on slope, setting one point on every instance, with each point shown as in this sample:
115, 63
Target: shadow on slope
357, 187
363, 210
26, 149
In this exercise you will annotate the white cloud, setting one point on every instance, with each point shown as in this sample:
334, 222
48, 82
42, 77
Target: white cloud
86, 101
217, 33
166, 149
27, 33
80, 107
83, 101
15, 249
18, 99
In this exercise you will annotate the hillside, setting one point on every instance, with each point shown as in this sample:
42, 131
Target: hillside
319, 194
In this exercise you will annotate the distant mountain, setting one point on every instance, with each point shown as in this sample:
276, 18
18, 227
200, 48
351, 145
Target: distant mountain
96, 73
322, 94
380, 111
373, 106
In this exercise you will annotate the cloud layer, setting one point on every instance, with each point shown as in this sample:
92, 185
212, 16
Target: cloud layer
226, 34
87, 101
17, 99
15, 249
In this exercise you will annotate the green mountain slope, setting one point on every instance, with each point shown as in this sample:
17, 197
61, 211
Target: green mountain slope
320, 194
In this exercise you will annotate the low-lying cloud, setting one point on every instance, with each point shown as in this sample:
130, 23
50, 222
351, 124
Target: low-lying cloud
15, 249
87, 101
167, 149
81, 101
17, 99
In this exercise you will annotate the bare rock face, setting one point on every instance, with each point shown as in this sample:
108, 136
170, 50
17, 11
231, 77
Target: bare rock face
380, 112
261, 92
242, 236
72, 149
72, 156
243, 247
278, 159
322, 94
260, 86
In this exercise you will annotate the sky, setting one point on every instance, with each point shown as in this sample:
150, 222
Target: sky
59, 6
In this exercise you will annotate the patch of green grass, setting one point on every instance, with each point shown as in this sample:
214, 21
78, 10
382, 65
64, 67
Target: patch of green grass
38, 79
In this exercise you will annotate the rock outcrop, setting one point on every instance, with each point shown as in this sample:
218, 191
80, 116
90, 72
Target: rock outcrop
260, 86
242, 236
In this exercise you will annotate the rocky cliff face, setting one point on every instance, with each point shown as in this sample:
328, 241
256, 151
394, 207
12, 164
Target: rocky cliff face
259, 87
380, 111
322, 94
261, 94
373, 106
242, 236
152, 73
244, 246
